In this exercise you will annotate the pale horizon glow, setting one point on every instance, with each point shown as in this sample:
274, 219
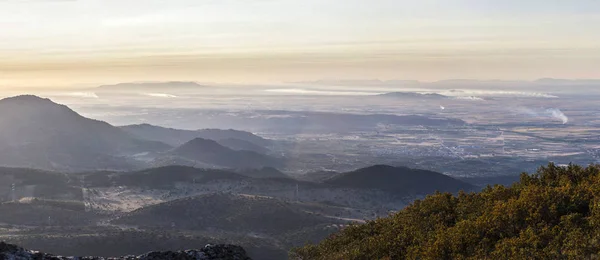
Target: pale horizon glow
78, 42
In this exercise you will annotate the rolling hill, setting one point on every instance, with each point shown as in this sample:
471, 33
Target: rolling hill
243, 145
265, 172
161, 177
176, 137
45, 213
38, 133
398, 180
211, 152
236, 213
29, 183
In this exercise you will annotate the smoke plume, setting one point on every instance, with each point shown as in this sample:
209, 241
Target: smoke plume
556, 113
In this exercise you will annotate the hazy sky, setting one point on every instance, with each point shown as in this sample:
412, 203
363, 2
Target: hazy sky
66, 42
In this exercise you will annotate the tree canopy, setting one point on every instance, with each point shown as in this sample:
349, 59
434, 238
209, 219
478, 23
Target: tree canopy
552, 214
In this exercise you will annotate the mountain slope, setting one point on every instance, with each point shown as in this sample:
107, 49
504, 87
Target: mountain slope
39, 133
243, 145
30, 183
238, 213
211, 152
399, 180
553, 214
265, 172
177, 137
161, 177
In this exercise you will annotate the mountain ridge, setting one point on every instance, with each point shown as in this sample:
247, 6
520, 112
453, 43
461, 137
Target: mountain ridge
211, 152
398, 180
39, 133
177, 137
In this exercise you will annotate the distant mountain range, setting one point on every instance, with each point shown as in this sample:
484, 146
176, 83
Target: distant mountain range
39, 133
208, 147
359, 82
211, 152
369, 82
176, 137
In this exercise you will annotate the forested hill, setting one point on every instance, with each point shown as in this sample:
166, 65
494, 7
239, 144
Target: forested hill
553, 214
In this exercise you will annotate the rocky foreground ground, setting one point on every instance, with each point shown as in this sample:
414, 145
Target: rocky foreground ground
209, 252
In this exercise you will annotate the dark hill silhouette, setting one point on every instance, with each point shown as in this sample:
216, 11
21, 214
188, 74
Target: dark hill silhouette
240, 213
243, 145
399, 180
161, 177
37, 184
211, 152
318, 176
38, 133
176, 137
40, 212
265, 172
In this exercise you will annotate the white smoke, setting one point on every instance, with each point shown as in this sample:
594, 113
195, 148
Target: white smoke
550, 113
494, 93
301, 91
470, 98
160, 95
556, 113
82, 94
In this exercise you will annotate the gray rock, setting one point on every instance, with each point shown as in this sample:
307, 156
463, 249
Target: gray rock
209, 252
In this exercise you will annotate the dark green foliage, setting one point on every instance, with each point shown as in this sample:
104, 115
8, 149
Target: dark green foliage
553, 214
